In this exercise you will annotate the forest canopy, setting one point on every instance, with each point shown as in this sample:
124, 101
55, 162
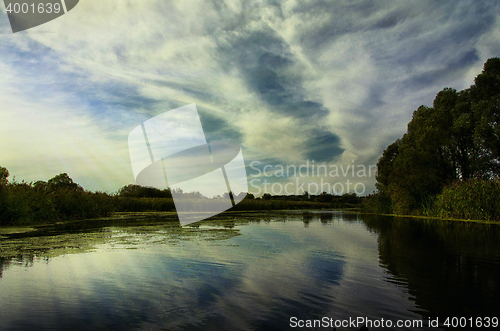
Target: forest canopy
457, 140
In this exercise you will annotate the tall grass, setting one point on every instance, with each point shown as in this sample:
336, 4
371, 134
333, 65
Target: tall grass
133, 204
477, 199
472, 199
260, 204
377, 203
21, 204
128, 204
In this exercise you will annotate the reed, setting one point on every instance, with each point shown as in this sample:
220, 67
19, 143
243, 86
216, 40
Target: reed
475, 198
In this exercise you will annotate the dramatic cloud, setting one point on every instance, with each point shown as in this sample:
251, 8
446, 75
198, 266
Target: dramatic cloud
291, 81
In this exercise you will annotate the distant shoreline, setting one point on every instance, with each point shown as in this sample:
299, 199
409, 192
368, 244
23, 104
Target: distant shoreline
171, 216
436, 218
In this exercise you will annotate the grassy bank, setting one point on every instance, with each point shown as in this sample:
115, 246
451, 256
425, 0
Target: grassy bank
474, 199
471, 199
433, 218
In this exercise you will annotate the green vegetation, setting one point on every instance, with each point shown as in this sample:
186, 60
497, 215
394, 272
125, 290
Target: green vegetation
135, 198
471, 199
295, 202
62, 199
447, 164
57, 199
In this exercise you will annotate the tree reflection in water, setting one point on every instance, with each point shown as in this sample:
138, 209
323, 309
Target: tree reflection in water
451, 268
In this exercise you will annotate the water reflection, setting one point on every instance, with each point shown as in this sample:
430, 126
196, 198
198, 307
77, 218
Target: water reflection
450, 268
231, 273
244, 271
326, 217
23, 246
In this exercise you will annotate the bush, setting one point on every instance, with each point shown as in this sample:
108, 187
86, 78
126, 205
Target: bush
472, 199
80, 204
21, 204
58, 199
378, 203
131, 204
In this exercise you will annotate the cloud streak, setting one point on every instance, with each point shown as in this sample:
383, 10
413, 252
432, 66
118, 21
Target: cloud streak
291, 81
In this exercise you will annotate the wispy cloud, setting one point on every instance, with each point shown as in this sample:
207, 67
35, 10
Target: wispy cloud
333, 82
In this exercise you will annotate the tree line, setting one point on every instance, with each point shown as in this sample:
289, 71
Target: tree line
60, 198
57, 199
447, 164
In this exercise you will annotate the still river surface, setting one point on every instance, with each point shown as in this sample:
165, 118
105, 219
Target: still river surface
248, 271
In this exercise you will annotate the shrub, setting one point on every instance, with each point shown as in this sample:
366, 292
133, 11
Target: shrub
132, 204
60, 198
378, 203
472, 199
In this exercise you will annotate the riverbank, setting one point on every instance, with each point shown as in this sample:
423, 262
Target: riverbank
474, 199
434, 218
61, 199
24, 204
121, 217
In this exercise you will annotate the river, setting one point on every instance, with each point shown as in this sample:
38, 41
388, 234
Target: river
250, 271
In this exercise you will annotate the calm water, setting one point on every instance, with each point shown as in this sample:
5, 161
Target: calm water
246, 272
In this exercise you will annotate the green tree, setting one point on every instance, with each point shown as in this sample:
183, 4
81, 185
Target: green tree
63, 181
421, 165
385, 165
485, 97
40, 185
249, 196
457, 139
4, 174
137, 191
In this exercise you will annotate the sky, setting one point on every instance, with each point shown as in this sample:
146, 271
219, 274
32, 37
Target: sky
295, 83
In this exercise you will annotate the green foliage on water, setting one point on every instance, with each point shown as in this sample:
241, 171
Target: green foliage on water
447, 164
